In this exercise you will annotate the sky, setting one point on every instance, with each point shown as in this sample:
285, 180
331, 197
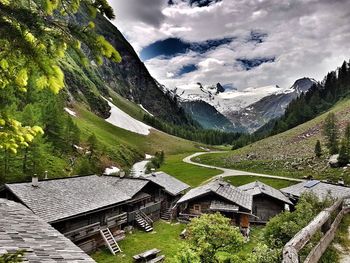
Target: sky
238, 43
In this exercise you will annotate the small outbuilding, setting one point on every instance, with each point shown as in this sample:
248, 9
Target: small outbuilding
267, 201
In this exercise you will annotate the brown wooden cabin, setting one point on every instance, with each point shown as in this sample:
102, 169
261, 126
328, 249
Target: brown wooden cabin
267, 201
79, 207
217, 196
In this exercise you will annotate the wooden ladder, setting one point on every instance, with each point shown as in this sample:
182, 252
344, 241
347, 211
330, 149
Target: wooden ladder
110, 241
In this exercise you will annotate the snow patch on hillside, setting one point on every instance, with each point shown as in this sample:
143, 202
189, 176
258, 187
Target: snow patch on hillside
122, 120
141, 106
111, 170
70, 112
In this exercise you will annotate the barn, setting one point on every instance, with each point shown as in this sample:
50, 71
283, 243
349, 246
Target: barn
217, 196
267, 201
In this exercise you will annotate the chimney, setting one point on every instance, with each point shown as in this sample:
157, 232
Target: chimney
45, 174
121, 174
35, 181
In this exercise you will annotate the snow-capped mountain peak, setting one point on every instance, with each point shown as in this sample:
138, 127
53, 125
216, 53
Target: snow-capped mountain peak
224, 100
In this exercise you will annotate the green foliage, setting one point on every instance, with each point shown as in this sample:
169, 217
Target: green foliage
281, 228
330, 131
12, 257
318, 149
34, 36
155, 162
210, 234
343, 157
186, 255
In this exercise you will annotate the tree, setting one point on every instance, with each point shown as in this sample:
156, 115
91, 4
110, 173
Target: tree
330, 131
318, 149
343, 158
34, 36
347, 135
210, 234
92, 144
281, 228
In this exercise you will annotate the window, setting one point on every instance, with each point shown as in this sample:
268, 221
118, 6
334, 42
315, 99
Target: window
197, 208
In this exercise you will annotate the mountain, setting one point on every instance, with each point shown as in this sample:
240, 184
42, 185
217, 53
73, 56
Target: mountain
247, 110
208, 117
270, 107
290, 153
130, 78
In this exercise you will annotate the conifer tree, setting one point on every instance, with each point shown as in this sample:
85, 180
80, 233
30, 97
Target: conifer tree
318, 149
343, 158
34, 36
347, 136
330, 131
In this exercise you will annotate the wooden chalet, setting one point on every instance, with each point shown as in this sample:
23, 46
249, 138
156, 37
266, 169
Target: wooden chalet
93, 210
217, 196
267, 201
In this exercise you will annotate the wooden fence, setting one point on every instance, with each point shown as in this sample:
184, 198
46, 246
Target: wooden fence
323, 222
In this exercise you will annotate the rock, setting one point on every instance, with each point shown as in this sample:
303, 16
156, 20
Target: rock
333, 160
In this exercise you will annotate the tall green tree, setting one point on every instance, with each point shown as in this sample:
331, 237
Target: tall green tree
330, 131
343, 158
318, 149
34, 36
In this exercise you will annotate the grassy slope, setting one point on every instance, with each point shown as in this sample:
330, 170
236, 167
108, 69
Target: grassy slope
288, 154
119, 142
188, 173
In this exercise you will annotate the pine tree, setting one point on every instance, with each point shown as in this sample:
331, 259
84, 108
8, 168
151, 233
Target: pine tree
92, 144
318, 149
343, 158
330, 131
347, 136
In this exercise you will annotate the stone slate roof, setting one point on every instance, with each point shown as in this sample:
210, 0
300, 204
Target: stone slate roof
320, 189
20, 229
57, 199
171, 185
222, 189
257, 188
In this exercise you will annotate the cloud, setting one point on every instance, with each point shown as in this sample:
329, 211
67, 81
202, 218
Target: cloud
269, 42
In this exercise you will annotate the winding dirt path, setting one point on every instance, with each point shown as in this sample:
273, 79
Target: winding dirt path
231, 172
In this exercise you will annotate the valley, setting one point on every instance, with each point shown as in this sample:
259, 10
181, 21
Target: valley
184, 131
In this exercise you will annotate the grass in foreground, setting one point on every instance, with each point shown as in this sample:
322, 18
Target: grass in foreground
246, 179
164, 237
191, 174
